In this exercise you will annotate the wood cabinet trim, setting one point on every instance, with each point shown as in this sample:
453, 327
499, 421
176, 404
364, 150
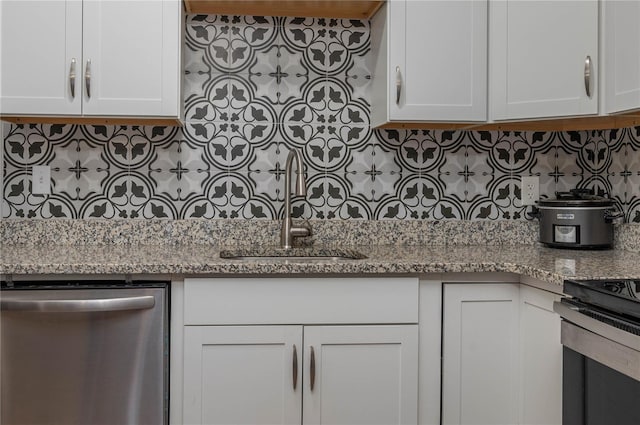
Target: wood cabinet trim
563, 124
153, 121
354, 9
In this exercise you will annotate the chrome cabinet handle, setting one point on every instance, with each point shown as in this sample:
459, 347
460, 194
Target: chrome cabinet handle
87, 78
587, 75
398, 85
77, 306
72, 78
312, 369
295, 367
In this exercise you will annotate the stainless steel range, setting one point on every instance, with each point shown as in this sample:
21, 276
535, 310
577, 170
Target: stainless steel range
84, 353
601, 353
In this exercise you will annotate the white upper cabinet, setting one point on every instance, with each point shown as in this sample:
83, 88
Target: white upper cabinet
91, 58
430, 61
543, 58
621, 41
41, 42
134, 52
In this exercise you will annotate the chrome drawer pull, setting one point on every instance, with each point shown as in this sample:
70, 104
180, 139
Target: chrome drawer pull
295, 367
398, 85
312, 369
87, 78
587, 76
72, 78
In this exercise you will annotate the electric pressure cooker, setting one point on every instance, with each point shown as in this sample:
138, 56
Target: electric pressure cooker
577, 219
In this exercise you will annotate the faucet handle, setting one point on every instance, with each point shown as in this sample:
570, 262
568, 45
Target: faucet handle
306, 224
302, 230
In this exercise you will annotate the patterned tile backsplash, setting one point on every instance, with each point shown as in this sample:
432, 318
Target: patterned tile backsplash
257, 87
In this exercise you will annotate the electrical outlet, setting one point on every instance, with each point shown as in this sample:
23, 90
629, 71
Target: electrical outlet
530, 190
40, 185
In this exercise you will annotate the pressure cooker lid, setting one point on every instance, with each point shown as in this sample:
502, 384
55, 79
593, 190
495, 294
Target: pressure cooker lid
576, 198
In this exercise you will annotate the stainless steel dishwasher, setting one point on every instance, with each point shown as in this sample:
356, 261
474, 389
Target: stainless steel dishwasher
84, 353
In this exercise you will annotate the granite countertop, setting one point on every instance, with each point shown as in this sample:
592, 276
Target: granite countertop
546, 264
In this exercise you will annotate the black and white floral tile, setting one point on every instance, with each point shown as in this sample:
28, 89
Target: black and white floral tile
256, 87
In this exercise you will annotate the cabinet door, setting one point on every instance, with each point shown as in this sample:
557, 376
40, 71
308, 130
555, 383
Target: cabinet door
538, 55
621, 35
242, 375
540, 358
480, 352
438, 50
363, 375
40, 41
132, 54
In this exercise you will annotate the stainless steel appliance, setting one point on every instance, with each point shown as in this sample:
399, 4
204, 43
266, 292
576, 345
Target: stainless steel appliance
84, 353
601, 354
577, 219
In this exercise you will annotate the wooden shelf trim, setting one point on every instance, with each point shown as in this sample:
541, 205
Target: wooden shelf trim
354, 9
564, 124
161, 122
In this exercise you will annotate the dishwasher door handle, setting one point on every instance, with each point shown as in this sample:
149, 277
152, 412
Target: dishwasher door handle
79, 306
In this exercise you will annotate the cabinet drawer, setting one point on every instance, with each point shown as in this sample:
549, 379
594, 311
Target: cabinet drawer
213, 301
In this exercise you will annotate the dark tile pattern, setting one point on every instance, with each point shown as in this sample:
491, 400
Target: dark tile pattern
256, 87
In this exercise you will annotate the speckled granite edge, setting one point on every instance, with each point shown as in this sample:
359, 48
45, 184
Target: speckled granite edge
264, 232
541, 263
627, 237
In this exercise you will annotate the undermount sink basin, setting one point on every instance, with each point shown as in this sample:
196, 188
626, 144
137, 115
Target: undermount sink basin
299, 254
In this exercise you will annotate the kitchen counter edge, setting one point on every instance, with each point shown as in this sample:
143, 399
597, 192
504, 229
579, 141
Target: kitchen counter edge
545, 264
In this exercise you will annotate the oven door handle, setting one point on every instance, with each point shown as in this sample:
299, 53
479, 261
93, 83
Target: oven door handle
574, 315
565, 310
612, 354
79, 306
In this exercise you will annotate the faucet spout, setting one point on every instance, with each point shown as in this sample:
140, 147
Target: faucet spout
301, 184
288, 230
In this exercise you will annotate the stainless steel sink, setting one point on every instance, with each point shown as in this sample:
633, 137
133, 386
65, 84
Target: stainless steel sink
292, 254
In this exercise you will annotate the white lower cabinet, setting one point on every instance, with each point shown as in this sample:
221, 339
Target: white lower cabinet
301, 371
479, 362
502, 357
540, 358
374, 350
266, 374
241, 375
363, 374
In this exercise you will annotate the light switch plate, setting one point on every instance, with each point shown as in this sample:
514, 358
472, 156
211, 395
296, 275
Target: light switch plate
41, 183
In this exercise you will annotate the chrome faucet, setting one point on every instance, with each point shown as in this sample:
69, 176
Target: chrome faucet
288, 230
